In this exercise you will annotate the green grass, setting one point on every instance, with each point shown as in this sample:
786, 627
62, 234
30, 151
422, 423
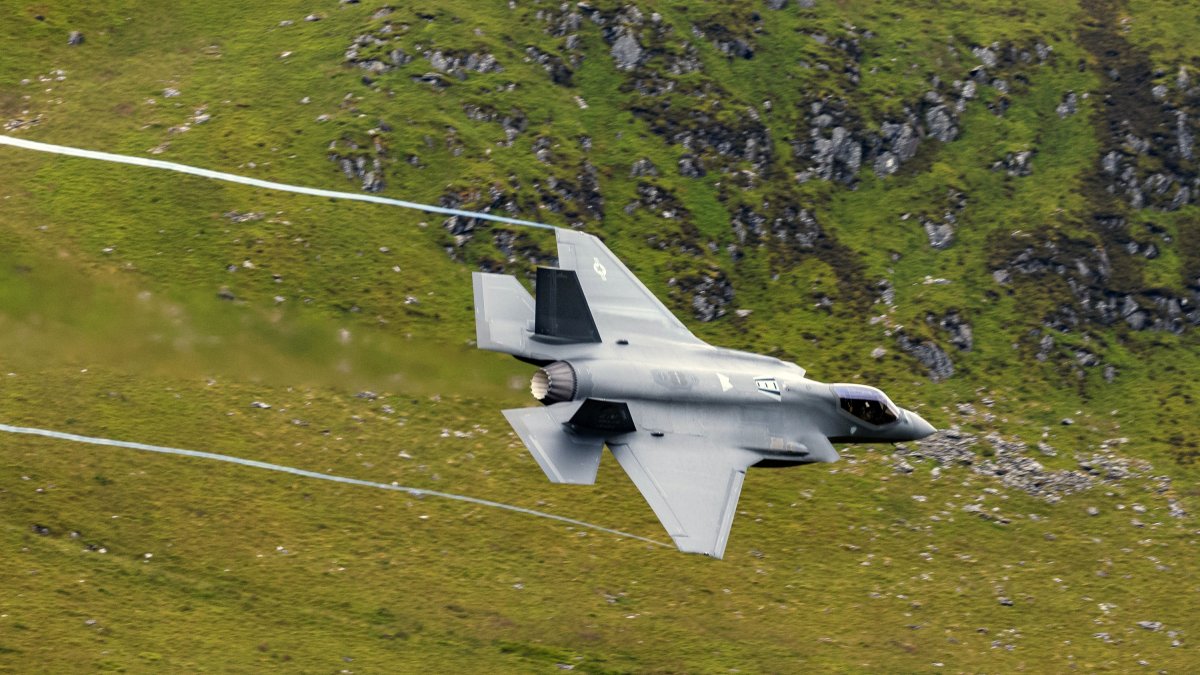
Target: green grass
111, 325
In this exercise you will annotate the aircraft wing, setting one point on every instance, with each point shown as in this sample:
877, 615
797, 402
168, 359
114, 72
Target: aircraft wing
692, 484
621, 306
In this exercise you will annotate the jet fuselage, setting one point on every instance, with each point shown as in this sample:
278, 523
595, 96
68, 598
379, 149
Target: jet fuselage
785, 416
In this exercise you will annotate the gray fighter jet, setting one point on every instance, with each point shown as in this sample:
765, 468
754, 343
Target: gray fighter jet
683, 418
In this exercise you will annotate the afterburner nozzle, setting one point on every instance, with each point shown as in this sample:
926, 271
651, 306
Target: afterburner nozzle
553, 384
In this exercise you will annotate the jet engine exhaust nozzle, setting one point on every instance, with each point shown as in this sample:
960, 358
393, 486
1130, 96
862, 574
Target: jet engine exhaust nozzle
554, 384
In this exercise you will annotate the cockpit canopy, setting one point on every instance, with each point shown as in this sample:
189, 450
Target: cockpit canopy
866, 403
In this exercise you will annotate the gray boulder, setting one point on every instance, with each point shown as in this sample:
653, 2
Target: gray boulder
941, 125
1069, 105
626, 51
941, 234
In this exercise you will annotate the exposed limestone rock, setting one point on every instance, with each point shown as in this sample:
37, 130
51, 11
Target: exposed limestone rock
626, 51
940, 233
1068, 106
1087, 274
781, 223
513, 122
361, 163
710, 295
1009, 461
643, 167
961, 333
1016, 163
929, 354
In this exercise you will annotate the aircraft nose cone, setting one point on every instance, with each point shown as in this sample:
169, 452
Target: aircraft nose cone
920, 428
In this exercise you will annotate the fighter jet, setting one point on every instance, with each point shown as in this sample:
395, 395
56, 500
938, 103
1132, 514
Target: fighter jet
683, 418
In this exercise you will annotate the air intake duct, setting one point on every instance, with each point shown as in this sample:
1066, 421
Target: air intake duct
554, 384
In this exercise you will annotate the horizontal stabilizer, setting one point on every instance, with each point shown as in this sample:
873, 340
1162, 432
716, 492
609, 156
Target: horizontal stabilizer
504, 313
564, 455
562, 309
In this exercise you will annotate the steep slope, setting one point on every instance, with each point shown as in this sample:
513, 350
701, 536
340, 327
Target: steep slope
986, 209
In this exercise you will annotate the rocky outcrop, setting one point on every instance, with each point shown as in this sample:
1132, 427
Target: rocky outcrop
779, 222
928, 354
387, 47
560, 73
464, 228
1069, 105
710, 295
714, 130
627, 53
940, 232
1016, 164
707, 137
834, 142
1087, 274
643, 167
361, 162
1009, 461
514, 122
657, 200
940, 229
958, 330
577, 199
1148, 125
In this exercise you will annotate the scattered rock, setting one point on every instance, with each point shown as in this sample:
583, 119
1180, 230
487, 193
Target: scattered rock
929, 354
1068, 106
1015, 163
364, 163
961, 334
643, 167
710, 295
239, 217
626, 51
940, 233
940, 124
1009, 461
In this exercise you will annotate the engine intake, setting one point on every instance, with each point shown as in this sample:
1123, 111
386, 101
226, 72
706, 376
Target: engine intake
554, 384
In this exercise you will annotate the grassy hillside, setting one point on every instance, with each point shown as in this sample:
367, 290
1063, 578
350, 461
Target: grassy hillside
702, 142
